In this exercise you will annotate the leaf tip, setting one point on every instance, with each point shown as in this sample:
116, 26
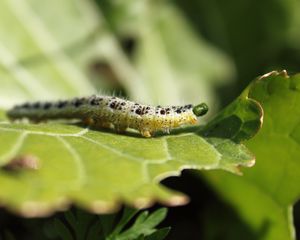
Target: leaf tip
33, 209
178, 200
237, 169
142, 202
104, 207
282, 73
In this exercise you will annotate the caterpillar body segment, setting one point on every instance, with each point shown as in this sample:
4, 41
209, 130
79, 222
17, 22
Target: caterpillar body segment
107, 111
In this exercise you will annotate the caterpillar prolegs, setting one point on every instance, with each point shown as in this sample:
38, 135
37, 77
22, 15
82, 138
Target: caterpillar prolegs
107, 111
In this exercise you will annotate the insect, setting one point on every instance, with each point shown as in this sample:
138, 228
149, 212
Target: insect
108, 111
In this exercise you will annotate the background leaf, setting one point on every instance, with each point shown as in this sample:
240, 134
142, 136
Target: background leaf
170, 72
31, 54
159, 234
265, 195
143, 226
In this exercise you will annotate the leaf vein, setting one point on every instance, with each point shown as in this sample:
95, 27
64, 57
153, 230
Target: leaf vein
77, 158
46, 41
15, 149
78, 134
111, 149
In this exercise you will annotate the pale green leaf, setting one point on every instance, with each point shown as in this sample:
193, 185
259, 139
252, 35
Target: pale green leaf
175, 63
172, 71
31, 44
97, 170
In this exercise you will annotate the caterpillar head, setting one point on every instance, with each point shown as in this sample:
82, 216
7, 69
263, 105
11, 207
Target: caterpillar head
197, 111
200, 109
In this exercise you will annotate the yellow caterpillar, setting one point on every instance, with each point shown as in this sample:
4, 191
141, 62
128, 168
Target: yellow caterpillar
105, 111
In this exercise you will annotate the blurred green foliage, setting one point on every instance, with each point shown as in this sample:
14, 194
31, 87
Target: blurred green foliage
255, 36
76, 224
258, 35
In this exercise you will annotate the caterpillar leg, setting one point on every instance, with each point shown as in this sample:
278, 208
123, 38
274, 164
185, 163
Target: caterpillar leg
88, 121
146, 133
120, 128
103, 124
166, 130
37, 120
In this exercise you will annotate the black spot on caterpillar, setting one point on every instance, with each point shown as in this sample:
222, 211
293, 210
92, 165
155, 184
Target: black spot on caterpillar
106, 110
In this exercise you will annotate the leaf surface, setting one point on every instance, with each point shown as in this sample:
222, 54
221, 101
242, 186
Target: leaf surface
45, 167
97, 169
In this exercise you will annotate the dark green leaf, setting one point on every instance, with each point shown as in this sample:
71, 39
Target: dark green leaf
144, 225
160, 234
62, 230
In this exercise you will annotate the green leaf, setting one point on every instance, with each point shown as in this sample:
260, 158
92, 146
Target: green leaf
78, 224
96, 170
89, 226
95, 232
240, 118
156, 217
84, 221
70, 217
128, 214
143, 226
63, 163
62, 230
159, 234
169, 71
31, 54
107, 223
163, 64
142, 217
265, 195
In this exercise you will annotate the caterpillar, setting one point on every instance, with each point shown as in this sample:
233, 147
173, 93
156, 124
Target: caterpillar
108, 111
